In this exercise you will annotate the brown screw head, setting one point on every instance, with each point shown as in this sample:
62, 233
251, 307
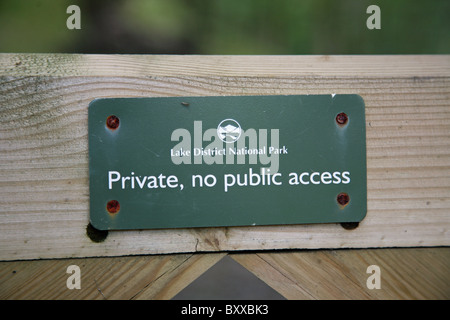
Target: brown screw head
113, 206
342, 119
343, 199
112, 122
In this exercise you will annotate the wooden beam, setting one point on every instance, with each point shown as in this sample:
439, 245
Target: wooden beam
44, 150
405, 274
411, 273
121, 278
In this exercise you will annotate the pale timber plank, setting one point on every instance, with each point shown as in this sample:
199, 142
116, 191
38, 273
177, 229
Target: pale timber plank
120, 278
44, 160
412, 273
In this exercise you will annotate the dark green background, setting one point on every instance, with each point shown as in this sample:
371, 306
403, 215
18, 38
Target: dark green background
142, 144
226, 26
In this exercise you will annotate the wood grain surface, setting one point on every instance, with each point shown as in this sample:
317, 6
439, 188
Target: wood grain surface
44, 190
121, 278
414, 273
405, 273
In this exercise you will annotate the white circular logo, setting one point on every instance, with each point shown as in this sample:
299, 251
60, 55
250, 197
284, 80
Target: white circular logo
229, 130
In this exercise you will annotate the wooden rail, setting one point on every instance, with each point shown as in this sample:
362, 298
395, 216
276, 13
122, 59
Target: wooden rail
411, 273
44, 189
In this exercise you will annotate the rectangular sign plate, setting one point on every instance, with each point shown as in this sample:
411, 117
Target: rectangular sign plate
226, 161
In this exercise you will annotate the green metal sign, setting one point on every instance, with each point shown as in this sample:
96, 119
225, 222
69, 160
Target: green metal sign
226, 161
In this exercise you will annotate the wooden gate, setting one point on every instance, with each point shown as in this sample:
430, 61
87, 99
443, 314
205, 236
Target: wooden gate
44, 199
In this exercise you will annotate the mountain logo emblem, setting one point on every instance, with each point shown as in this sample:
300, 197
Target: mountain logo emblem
229, 130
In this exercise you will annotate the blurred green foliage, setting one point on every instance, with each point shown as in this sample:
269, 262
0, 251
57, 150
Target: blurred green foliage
226, 26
